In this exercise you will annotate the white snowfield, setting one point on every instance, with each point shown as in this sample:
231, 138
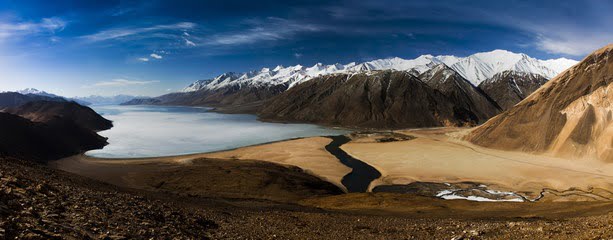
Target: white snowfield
475, 68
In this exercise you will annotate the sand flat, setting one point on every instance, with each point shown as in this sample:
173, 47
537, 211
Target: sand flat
307, 153
436, 157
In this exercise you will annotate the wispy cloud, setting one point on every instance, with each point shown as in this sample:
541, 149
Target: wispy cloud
571, 41
143, 59
120, 82
125, 32
45, 25
272, 29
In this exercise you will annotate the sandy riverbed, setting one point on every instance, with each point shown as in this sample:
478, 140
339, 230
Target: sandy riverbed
435, 155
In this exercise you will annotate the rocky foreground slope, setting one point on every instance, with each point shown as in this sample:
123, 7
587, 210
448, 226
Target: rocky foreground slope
41, 203
571, 115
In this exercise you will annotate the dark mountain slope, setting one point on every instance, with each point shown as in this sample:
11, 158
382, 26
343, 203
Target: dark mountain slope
384, 99
510, 87
460, 91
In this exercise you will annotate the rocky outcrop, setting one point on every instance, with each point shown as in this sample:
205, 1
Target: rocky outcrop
571, 115
510, 87
382, 99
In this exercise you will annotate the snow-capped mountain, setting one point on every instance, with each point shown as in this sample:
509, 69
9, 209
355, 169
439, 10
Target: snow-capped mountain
36, 92
476, 68
481, 66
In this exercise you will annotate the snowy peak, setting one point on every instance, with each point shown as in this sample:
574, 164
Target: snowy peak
36, 92
475, 68
481, 66
440, 73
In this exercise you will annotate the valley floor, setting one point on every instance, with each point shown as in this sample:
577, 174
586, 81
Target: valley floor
269, 190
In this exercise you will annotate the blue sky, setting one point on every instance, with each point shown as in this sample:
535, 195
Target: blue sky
73, 47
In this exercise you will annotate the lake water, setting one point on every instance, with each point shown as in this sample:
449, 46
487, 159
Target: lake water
151, 131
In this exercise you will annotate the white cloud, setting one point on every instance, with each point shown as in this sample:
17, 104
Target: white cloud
118, 33
120, 82
45, 25
297, 55
156, 56
189, 43
143, 59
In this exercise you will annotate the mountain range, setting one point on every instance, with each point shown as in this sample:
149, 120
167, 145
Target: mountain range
85, 101
107, 100
36, 92
475, 68
455, 91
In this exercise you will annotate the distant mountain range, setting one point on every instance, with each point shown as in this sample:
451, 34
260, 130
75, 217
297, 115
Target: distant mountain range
90, 100
475, 68
107, 100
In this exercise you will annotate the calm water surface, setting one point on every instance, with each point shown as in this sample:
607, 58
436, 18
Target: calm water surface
151, 131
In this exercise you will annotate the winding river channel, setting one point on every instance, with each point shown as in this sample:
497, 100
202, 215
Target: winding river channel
361, 175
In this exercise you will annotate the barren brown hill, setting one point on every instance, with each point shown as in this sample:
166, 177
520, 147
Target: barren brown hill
570, 116
384, 99
45, 111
